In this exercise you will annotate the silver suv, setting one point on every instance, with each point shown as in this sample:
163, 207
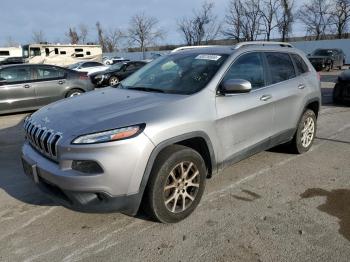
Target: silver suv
157, 136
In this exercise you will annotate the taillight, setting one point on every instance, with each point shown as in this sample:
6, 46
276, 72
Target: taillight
319, 76
83, 77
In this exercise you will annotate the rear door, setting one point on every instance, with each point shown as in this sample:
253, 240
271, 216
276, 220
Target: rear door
244, 121
50, 83
16, 90
289, 91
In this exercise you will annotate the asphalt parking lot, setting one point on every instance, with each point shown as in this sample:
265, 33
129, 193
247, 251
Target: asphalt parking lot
273, 206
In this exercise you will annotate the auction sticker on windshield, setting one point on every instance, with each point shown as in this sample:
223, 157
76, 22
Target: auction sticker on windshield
209, 57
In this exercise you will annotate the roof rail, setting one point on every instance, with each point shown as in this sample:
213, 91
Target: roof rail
262, 43
190, 47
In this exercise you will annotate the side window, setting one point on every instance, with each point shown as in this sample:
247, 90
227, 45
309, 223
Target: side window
46, 73
35, 51
130, 67
248, 67
281, 67
301, 65
94, 64
15, 74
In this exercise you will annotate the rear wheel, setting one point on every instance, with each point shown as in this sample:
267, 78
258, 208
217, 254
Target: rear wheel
74, 92
176, 184
305, 134
113, 81
337, 94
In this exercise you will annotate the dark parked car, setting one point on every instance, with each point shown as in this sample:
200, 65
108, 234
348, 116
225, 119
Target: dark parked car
341, 91
28, 86
116, 73
327, 59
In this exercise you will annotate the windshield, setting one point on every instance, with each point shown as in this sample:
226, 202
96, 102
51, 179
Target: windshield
176, 73
323, 52
116, 66
73, 66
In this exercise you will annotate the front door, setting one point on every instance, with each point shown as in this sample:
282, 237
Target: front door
245, 120
16, 89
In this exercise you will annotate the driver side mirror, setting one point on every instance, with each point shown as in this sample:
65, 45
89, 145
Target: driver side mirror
235, 86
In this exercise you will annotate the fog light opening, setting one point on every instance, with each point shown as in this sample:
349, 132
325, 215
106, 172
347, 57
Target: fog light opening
87, 166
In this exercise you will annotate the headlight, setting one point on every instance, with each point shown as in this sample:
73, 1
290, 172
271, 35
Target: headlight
110, 135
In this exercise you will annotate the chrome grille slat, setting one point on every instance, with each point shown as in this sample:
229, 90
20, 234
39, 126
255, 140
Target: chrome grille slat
42, 139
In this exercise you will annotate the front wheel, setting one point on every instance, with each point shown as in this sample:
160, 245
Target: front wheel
74, 92
176, 184
305, 134
113, 81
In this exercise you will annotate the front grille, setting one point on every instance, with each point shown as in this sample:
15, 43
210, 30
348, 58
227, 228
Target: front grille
42, 139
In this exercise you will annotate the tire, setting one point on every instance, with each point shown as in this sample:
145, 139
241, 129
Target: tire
113, 81
74, 92
301, 144
166, 172
336, 95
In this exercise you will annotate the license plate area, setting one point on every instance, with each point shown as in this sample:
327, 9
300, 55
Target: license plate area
30, 170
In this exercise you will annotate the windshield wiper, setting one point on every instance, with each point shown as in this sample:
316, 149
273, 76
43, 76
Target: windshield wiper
147, 89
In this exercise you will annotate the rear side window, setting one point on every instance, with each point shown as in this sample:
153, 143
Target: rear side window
281, 67
15, 74
45, 73
248, 67
300, 64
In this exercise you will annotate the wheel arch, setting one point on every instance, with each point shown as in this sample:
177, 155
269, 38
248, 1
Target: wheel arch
73, 88
198, 141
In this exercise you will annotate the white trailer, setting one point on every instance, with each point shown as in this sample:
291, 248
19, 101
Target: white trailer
61, 55
8, 52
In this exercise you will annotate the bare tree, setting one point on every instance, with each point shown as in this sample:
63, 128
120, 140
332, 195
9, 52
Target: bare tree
113, 39
202, 27
285, 25
315, 15
143, 31
10, 42
38, 36
101, 38
251, 27
73, 36
234, 20
340, 16
270, 15
83, 33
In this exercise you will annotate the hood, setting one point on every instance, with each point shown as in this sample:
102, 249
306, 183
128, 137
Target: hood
101, 110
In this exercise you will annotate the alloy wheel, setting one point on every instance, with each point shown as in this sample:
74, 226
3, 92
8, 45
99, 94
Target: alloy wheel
181, 187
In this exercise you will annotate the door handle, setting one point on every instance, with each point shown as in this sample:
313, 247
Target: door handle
265, 97
61, 82
26, 86
301, 86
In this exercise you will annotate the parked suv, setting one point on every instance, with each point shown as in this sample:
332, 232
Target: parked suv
157, 136
28, 87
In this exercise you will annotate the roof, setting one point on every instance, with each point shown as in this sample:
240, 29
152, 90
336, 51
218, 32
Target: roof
216, 49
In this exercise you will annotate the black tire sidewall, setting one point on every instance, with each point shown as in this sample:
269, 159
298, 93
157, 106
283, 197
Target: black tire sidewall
159, 178
300, 148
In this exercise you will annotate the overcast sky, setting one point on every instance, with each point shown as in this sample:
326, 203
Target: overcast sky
19, 18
